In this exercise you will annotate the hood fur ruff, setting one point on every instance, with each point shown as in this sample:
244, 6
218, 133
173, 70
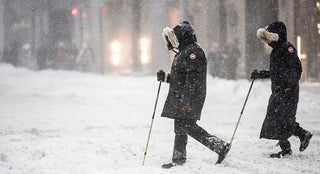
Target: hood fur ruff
263, 34
171, 36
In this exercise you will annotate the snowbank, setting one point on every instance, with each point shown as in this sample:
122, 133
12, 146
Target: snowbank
69, 122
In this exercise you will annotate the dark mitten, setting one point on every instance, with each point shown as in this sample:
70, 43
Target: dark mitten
161, 75
255, 74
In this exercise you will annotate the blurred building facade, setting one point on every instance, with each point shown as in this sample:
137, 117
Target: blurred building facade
124, 36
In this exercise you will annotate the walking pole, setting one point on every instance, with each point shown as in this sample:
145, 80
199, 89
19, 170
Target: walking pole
154, 111
245, 102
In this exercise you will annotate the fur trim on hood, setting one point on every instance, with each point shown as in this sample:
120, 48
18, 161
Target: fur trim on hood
172, 38
263, 34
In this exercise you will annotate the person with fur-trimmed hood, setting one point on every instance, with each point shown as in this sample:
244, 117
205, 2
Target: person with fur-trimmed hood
285, 72
187, 92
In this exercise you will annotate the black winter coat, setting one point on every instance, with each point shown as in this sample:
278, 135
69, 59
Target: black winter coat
285, 72
187, 78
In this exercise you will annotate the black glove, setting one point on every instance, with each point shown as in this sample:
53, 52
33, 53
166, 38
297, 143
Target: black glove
161, 75
255, 74
263, 74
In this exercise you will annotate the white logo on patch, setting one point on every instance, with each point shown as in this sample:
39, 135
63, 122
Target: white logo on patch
192, 56
290, 49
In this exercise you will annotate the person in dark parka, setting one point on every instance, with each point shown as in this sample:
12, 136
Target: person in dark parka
187, 92
285, 72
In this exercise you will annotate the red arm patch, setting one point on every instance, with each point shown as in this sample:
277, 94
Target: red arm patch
290, 49
192, 56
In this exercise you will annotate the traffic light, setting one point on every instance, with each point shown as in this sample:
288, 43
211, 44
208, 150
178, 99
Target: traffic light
74, 11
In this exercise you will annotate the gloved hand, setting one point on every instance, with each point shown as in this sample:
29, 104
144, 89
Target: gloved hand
263, 74
255, 74
184, 107
161, 75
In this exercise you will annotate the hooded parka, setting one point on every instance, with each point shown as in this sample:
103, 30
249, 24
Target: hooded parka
285, 72
188, 74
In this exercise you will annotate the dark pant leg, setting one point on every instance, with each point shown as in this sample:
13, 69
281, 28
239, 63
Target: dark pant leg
212, 142
285, 146
180, 141
299, 132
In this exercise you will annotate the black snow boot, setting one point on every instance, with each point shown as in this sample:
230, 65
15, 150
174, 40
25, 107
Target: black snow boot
281, 154
223, 153
304, 140
169, 165
285, 150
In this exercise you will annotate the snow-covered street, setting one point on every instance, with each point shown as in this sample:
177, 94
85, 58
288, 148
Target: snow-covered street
62, 122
